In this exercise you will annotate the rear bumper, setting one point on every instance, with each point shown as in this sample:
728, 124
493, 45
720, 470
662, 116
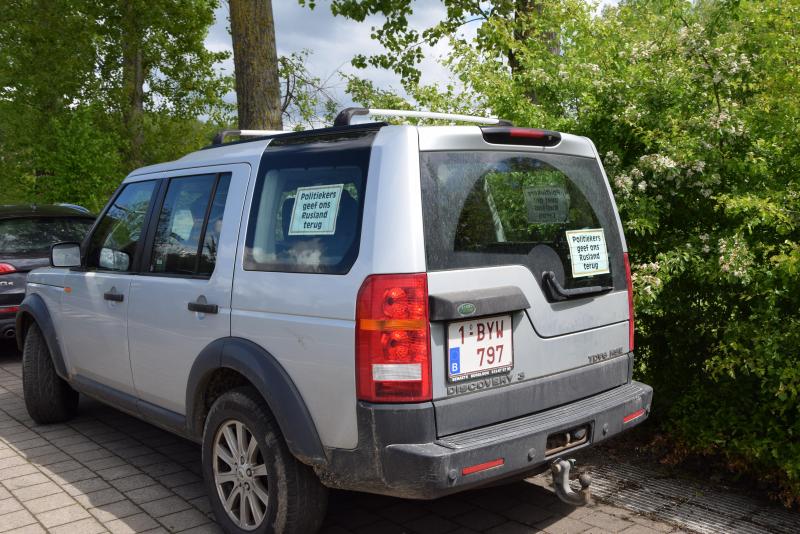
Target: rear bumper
386, 462
7, 326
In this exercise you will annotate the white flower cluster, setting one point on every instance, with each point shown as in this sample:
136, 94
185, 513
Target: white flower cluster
668, 176
624, 183
632, 114
658, 162
642, 51
735, 257
727, 124
645, 279
591, 67
704, 239
719, 62
611, 160
539, 75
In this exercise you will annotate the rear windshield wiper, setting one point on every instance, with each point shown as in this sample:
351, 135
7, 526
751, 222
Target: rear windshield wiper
558, 292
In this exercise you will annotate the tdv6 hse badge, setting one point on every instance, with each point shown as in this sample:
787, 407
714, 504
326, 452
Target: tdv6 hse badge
603, 356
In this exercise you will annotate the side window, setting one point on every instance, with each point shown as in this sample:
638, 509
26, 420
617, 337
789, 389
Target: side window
113, 244
208, 253
307, 206
183, 225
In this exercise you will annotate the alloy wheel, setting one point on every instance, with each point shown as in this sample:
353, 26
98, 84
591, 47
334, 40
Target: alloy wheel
240, 475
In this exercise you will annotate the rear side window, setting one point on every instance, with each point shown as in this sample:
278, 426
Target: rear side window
544, 211
188, 227
308, 203
115, 241
36, 235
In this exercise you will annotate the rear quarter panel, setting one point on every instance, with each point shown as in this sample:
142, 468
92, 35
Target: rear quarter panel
307, 321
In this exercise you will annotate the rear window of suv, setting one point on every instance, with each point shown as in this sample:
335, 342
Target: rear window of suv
36, 235
484, 209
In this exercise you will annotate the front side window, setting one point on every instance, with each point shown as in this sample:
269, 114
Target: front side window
36, 235
307, 205
182, 225
114, 244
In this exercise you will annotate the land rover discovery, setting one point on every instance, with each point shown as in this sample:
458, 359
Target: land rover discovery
398, 309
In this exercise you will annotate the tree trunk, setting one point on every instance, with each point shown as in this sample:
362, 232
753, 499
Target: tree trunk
255, 61
133, 75
522, 8
528, 8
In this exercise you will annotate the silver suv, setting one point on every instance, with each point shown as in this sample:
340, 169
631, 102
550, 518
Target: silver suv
404, 310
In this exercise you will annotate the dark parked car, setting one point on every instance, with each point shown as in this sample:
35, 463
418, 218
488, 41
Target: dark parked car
26, 234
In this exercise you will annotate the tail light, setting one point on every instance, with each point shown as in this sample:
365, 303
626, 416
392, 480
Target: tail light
6, 268
393, 348
502, 135
629, 280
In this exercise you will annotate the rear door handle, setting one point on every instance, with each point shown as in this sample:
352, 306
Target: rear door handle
203, 307
113, 296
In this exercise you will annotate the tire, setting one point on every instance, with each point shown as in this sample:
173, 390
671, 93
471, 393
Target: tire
296, 502
48, 398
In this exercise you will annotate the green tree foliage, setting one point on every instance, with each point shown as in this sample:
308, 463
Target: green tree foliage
504, 26
91, 89
694, 107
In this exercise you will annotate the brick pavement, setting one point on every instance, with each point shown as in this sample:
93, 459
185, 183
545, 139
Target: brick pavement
108, 472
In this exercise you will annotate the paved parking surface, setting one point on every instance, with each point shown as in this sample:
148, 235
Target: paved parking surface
108, 472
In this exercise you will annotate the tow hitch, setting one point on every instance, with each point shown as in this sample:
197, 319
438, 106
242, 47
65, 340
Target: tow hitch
560, 469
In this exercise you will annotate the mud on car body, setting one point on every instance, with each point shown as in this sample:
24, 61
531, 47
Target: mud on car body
405, 310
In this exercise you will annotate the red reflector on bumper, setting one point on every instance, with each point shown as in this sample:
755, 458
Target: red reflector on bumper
482, 467
9, 309
635, 415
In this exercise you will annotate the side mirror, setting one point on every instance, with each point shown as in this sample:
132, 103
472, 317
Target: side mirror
114, 260
65, 255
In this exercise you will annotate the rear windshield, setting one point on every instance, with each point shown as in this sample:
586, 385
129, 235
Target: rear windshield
546, 212
36, 235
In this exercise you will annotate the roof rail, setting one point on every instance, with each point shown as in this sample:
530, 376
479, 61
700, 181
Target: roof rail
220, 137
346, 115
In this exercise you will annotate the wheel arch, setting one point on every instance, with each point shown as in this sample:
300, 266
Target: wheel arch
230, 362
33, 309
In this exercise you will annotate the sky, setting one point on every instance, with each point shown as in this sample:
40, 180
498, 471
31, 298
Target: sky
333, 41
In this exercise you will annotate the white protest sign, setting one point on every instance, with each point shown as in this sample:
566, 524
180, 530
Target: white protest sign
315, 210
546, 204
587, 250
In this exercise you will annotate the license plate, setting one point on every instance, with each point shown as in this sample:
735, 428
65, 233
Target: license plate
480, 347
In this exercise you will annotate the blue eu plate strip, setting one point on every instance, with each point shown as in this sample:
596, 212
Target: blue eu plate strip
455, 360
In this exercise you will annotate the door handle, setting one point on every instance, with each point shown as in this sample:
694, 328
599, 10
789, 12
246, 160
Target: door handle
113, 296
202, 307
